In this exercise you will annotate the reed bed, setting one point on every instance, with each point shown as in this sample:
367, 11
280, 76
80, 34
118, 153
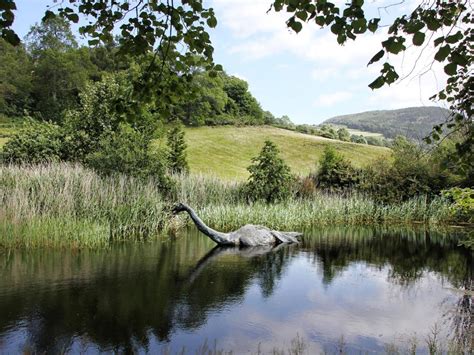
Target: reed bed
66, 205
325, 210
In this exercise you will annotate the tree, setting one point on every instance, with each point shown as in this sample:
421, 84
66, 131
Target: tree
343, 134
15, 79
172, 33
357, 138
60, 69
270, 178
450, 23
177, 150
241, 102
335, 172
51, 34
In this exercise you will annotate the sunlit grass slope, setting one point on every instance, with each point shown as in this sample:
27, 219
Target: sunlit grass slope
227, 151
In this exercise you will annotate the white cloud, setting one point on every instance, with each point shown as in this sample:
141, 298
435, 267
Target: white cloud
333, 98
253, 35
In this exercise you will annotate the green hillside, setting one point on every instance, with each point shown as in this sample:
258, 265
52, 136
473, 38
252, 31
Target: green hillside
412, 122
227, 151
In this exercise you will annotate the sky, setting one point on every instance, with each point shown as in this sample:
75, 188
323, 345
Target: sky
307, 76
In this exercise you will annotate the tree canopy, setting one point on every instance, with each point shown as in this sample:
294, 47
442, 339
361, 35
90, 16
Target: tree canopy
448, 23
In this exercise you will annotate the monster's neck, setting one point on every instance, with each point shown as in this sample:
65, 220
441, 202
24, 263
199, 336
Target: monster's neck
218, 237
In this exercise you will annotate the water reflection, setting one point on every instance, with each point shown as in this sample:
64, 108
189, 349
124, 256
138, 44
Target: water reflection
367, 284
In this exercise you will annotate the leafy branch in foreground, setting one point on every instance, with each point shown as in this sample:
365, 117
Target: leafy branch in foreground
452, 23
169, 37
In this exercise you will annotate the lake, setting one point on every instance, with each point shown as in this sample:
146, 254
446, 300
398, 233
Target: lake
356, 289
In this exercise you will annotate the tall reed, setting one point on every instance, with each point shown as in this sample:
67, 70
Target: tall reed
68, 205
60, 202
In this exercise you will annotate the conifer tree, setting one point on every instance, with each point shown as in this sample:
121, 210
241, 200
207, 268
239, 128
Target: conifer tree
177, 163
270, 177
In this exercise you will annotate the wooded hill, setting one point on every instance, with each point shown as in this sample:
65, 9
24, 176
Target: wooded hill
412, 122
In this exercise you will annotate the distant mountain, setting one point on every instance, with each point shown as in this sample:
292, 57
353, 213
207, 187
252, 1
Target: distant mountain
412, 122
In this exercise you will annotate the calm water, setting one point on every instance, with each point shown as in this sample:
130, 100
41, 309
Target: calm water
370, 286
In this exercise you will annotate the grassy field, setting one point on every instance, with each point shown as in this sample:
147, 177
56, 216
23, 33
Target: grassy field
227, 151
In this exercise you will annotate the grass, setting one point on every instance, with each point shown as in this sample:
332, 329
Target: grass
64, 205
226, 151
67, 205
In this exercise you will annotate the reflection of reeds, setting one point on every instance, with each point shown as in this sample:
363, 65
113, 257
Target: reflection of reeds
68, 205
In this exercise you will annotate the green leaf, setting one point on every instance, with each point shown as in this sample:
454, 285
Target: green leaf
459, 59
454, 38
438, 41
373, 24
359, 25
212, 22
320, 20
377, 83
418, 38
442, 53
296, 26
451, 69
10, 36
48, 15
377, 57
433, 23
302, 15
394, 44
73, 17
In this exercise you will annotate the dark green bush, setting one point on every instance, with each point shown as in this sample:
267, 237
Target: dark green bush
358, 139
412, 172
36, 142
335, 173
270, 178
177, 150
463, 203
126, 151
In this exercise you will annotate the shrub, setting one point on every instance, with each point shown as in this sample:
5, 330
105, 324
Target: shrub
463, 203
127, 151
335, 173
343, 134
97, 115
358, 139
412, 172
36, 142
270, 178
177, 163
371, 140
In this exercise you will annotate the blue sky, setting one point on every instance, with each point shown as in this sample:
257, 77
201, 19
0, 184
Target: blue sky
307, 76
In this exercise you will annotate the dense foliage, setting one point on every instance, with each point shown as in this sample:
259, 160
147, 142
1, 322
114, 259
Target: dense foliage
412, 171
177, 150
270, 178
334, 172
38, 142
448, 23
45, 76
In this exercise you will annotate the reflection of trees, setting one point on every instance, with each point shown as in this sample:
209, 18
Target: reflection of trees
116, 298
408, 254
